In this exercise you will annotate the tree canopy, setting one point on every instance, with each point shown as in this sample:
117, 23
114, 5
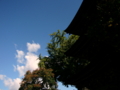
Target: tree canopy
39, 79
64, 67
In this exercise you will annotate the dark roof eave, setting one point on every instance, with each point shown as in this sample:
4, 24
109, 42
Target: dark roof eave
77, 25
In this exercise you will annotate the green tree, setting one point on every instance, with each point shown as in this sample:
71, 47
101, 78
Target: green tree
63, 66
30, 81
39, 79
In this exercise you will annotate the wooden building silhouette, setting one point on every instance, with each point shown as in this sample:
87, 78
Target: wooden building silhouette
97, 22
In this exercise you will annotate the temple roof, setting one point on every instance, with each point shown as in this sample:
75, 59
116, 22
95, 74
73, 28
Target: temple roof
98, 28
85, 15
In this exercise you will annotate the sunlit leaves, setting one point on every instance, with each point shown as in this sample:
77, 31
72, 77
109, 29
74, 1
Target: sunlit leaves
31, 80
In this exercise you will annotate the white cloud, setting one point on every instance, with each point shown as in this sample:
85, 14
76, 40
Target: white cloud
21, 70
33, 47
12, 84
2, 77
29, 62
29, 59
20, 56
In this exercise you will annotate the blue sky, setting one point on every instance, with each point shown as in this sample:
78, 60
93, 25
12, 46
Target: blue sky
25, 26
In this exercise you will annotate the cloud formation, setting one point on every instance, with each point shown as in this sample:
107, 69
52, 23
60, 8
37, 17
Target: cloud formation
33, 47
26, 61
12, 84
2, 77
29, 59
20, 56
31, 63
